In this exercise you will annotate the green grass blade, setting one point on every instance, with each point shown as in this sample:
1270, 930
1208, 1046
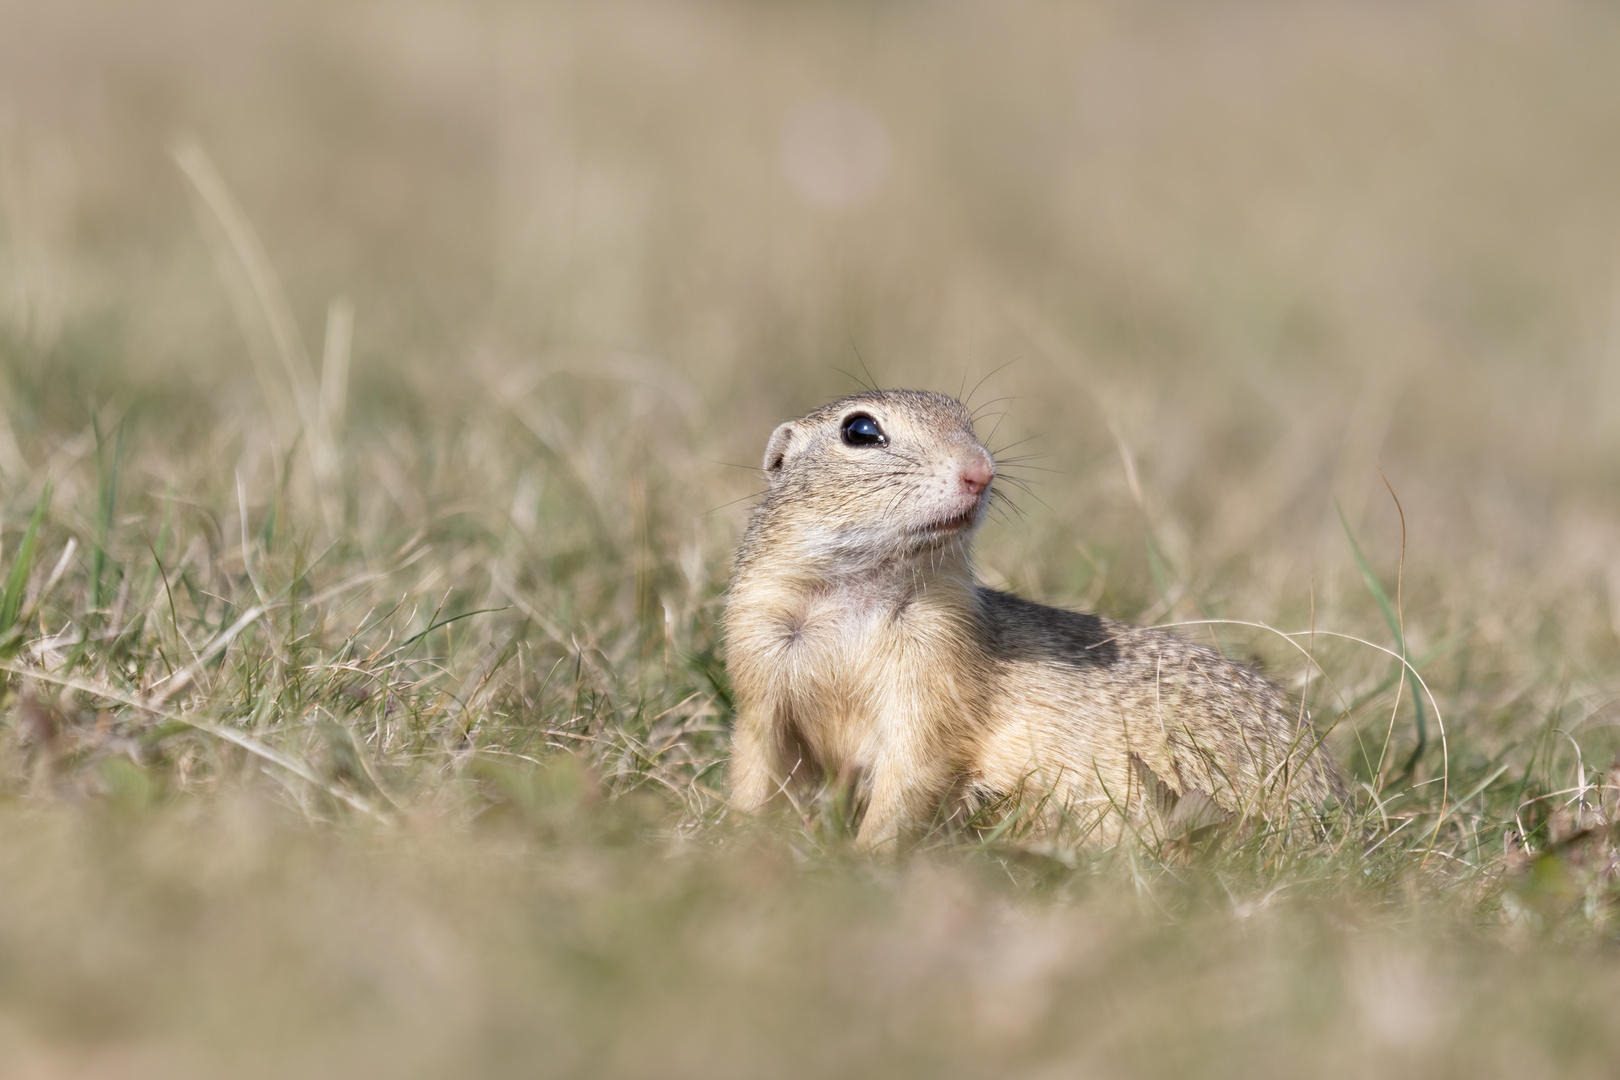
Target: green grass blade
22, 566
1393, 618
1159, 567
1374, 586
106, 508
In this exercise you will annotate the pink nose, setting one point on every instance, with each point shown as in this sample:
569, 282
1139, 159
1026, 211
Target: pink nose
977, 474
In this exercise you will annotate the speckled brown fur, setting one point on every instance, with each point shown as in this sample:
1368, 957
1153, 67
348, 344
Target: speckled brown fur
865, 654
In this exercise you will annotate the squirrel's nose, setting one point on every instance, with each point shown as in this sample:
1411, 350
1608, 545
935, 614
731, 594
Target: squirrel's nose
977, 473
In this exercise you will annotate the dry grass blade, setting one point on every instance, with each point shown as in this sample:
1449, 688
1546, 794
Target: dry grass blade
154, 707
261, 306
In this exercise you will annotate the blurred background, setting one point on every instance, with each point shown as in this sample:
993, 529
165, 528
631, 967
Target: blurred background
1260, 253
492, 306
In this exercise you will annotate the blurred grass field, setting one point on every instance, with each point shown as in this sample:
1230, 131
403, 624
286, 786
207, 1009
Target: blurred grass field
380, 390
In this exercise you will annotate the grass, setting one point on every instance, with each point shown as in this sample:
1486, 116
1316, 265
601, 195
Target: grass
380, 388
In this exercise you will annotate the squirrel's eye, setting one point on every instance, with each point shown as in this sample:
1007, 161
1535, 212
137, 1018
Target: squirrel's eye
862, 430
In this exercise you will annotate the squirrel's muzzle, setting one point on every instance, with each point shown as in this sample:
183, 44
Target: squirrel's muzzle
976, 474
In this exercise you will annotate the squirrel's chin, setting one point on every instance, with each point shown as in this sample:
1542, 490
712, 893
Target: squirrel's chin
958, 524
874, 547
961, 523
938, 534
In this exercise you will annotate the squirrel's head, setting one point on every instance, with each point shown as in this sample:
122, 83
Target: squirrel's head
879, 476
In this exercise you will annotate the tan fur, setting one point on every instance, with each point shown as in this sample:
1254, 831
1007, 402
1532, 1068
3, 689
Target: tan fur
864, 653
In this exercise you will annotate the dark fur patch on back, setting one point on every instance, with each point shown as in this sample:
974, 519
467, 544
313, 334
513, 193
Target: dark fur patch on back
1019, 629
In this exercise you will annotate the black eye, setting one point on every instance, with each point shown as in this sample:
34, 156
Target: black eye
862, 430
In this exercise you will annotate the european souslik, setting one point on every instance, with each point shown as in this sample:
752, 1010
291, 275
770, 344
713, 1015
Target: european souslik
867, 659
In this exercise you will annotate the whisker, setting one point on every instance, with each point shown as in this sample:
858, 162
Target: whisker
981, 382
996, 401
1020, 442
992, 436
734, 502
862, 360
855, 379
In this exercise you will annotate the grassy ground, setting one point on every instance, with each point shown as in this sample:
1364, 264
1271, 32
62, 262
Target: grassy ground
379, 390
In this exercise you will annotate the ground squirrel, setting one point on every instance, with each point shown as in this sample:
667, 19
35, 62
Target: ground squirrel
867, 659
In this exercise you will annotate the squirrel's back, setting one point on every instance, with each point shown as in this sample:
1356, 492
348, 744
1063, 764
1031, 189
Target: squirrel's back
1139, 722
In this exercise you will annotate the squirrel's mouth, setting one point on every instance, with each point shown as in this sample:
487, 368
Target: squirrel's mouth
957, 523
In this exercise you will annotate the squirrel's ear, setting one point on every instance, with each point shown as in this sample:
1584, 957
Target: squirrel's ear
784, 444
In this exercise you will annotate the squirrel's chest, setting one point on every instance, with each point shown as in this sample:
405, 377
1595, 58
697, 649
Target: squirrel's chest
836, 647
841, 636
839, 662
